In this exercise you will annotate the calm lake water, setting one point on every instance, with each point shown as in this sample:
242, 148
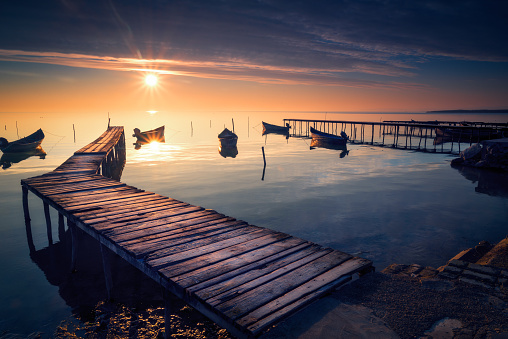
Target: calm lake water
387, 205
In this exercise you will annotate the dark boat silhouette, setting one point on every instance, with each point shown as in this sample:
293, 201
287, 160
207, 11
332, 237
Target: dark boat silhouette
269, 128
329, 138
25, 144
149, 136
227, 138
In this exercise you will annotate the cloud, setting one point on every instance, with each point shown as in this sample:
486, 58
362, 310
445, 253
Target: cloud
339, 42
228, 70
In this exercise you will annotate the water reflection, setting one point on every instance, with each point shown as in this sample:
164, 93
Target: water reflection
84, 287
321, 143
489, 182
8, 159
228, 151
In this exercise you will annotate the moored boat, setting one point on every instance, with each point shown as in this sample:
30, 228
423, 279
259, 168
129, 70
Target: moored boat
149, 136
466, 133
269, 128
25, 144
228, 138
329, 138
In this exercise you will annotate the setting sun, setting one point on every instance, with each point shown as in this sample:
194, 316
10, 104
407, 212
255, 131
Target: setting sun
151, 80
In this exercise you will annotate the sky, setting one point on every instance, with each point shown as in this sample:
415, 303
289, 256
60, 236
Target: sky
240, 55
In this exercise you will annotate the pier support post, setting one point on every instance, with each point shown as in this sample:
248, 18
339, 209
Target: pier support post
106, 265
28, 225
74, 244
61, 226
48, 222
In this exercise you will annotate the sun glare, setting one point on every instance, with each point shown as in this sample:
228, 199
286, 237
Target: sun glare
151, 80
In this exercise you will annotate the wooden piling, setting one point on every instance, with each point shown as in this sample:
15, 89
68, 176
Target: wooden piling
48, 222
28, 225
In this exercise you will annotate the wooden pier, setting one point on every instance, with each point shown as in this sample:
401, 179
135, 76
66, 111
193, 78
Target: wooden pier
243, 277
427, 136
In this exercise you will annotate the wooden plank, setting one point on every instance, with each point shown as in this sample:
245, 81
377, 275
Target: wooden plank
143, 216
280, 308
253, 257
155, 221
272, 271
253, 299
167, 232
150, 221
104, 199
161, 249
95, 194
223, 254
191, 252
140, 210
221, 283
118, 208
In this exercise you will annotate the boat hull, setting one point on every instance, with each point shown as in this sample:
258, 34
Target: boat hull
25, 144
147, 137
269, 128
327, 138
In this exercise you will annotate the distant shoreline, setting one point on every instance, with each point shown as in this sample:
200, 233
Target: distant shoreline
471, 111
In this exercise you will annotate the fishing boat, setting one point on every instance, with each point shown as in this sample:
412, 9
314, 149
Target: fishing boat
147, 137
25, 144
228, 138
269, 128
467, 133
329, 138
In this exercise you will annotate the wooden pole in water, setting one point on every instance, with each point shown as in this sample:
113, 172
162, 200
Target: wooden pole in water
28, 224
48, 222
233, 122
74, 130
372, 140
107, 270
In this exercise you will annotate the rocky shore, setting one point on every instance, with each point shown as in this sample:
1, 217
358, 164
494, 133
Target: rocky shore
466, 298
491, 154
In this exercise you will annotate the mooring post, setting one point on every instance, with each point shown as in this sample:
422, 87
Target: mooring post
106, 265
28, 225
264, 163
372, 140
48, 222
61, 226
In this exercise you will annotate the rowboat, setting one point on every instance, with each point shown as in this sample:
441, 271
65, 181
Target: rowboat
25, 144
228, 138
329, 138
269, 128
147, 137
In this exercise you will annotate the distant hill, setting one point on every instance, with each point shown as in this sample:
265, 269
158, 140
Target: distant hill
471, 111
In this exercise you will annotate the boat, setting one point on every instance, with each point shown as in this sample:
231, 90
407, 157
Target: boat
466, 133
25, 144
329, 138
228, 138
269, 128
147, 137
8, 159
323, 143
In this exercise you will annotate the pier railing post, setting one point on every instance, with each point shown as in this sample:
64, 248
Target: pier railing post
61, 226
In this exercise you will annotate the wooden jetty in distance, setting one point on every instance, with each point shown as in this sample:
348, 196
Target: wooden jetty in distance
243, 277
409, 135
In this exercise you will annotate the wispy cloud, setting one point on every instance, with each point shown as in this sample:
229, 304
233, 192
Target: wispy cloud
226, 69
